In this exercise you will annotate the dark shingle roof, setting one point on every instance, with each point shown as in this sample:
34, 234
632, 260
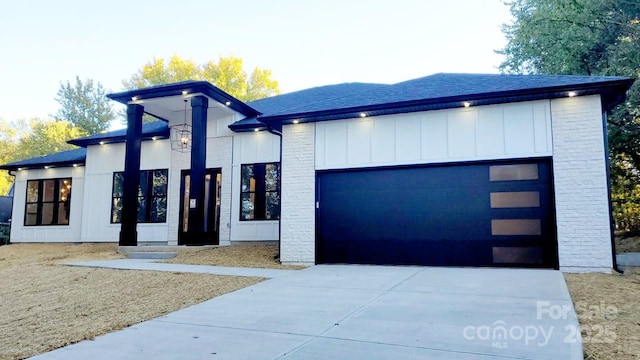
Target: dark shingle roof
432, 92
63, 158
315, 98
159, 129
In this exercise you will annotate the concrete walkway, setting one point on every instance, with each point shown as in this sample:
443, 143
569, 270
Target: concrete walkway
149, 264
628, 259
358, 312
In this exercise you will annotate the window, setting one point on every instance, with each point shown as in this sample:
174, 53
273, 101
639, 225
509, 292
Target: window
48, 202
513, 172
152, 196
260, 192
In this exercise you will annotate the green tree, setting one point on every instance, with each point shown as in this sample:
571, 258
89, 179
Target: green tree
8, 141
586, 37
228, 74
46, 137
27, 139
85, 105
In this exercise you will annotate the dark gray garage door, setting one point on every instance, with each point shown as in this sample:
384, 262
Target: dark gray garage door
487, 214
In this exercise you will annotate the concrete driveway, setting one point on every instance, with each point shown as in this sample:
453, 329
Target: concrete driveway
363, 312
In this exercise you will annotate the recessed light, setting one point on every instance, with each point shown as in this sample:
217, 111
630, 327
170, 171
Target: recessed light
101, 142
47, 166
75, 165
256, 129
228, 103
20, 169
184, 92
363, 115
466, 104
135, 98
572, 93
154, 138
296, 121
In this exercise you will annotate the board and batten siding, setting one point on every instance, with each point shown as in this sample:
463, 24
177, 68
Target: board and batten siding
102, 161
517, 130
48, 233
251, 148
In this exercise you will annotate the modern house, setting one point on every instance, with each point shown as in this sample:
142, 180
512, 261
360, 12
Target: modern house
444, 170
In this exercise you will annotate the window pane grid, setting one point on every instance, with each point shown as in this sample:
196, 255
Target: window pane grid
48, 202
260, 191
152, 196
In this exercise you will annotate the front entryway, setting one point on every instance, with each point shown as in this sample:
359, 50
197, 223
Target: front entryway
212, 202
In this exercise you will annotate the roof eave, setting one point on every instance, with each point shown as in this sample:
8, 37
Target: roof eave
12, 167
179, 89
613, 93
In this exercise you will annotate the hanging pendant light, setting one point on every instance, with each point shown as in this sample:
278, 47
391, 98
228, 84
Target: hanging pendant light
181, 134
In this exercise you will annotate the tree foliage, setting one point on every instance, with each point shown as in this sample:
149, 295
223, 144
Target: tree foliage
228, 74
85, 105
587, 37
27, 139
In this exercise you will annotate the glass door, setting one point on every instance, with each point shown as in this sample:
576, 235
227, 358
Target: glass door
212, 203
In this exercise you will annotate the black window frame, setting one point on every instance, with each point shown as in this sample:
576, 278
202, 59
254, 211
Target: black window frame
147, 195
64, 200
260, 192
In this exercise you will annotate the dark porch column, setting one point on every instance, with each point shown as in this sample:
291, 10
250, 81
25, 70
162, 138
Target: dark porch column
128, 232
199, 106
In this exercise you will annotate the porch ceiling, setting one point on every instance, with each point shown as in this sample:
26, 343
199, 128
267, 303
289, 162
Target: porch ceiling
172, 108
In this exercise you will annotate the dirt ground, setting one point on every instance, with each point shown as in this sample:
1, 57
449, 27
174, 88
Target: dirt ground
47, 305
255, 256
608, 309
627, 244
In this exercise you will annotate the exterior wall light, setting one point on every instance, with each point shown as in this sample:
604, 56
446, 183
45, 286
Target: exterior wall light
466, 104
256, 129
228, 103
296, 121
363, 115
572, 93
101, 143
47, 167
184, 92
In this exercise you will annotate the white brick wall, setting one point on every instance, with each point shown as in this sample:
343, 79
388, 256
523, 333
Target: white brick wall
580, 181
298, 194
220, 155
179, 161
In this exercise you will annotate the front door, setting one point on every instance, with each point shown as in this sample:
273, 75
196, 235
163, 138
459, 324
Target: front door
211, 209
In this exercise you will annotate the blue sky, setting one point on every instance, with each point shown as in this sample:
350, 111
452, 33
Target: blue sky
305, 43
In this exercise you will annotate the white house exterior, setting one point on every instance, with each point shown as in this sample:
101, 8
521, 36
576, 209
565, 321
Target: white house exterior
446, 170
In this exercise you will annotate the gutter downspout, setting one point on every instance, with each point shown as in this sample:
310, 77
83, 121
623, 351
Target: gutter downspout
278, 133
12, 190
608, 171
